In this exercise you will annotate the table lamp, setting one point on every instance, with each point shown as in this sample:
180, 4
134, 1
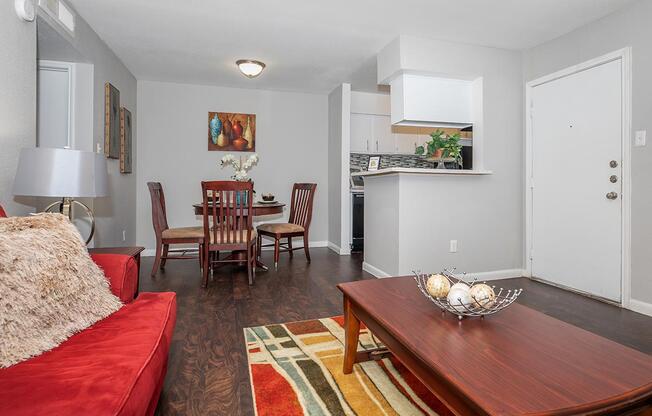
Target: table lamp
62, 173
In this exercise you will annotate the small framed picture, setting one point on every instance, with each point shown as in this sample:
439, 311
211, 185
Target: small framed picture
374, 163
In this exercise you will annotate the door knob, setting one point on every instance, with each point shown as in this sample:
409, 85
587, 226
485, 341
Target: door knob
613, 179
613, 164
612, 195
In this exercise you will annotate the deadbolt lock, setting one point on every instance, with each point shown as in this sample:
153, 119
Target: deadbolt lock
613, 164
612, 195
613, 179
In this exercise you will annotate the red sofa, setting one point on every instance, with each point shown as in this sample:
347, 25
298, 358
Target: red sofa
115, 367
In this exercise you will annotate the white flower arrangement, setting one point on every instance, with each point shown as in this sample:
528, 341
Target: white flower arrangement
241, 167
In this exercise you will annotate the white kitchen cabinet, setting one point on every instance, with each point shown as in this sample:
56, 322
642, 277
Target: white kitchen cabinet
423, 136
384, 141
420, 100
361, 132
406, 138
405, 144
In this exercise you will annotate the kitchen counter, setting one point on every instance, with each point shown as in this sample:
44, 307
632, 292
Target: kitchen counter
421, 171
411, 216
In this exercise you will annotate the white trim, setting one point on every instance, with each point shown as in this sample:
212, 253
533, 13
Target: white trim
480, 276
69, 68
625, 55
345, 174
337, 249
497, 275
374, 270
640, 307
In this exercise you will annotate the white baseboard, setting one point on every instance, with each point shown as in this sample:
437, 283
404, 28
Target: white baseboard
374, 270
481, 276
150, 252
640, 307
498, 274
339, 250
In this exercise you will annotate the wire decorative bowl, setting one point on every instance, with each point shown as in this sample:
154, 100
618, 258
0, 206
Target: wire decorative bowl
477, 307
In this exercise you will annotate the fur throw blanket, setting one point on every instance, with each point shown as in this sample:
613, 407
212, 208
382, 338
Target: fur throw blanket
50, 288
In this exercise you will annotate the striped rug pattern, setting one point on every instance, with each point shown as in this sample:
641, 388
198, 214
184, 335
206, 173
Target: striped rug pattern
296, 369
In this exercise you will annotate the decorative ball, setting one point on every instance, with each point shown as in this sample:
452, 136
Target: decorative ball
458, 296
483, 295
438, 286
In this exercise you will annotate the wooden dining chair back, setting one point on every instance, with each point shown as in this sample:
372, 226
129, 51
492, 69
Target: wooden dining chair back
303, 196
166, 235
228, 224
159, 215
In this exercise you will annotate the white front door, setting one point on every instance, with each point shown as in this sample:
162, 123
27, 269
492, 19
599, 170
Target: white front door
576, 229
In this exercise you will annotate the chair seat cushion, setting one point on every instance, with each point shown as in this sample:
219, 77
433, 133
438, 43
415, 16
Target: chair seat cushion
281, 228
233, 238
184, 232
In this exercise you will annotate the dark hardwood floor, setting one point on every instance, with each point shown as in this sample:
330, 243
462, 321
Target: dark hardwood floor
208, 372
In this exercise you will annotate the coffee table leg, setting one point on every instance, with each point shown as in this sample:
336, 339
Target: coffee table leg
351, 334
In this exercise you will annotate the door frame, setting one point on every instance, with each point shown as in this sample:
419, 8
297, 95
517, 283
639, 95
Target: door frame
69, 68
625, 56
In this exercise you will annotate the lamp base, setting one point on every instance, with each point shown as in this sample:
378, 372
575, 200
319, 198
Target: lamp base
64, 207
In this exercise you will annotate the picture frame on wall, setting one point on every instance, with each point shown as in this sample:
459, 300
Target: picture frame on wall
232, 132
374, 163
125, 141
111, 121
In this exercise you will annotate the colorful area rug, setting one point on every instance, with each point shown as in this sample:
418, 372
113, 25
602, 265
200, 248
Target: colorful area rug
296, 369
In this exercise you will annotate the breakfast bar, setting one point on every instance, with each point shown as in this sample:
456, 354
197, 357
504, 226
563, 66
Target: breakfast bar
431, 219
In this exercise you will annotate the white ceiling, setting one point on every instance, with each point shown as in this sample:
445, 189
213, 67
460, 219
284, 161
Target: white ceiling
312, 45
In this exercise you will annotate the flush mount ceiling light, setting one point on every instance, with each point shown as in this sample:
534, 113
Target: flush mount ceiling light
250, 68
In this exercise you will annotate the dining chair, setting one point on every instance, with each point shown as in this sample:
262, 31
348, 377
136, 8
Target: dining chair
166, 235
228, 225
303, 195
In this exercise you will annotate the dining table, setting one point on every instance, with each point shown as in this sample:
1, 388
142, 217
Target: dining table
259, 208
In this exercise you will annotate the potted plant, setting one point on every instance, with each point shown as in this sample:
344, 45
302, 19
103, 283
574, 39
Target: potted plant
442, 146
241, 168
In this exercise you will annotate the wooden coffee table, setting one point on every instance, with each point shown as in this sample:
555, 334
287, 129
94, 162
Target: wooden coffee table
516, 362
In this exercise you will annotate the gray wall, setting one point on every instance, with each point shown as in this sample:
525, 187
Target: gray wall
118, 211
485, 214
291, 140
628, 27
17, 99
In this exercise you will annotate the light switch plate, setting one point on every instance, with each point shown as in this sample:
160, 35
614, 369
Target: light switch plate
640, 138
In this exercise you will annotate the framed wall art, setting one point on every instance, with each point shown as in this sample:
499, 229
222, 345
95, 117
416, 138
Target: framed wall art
233, 132
111, 121
125, 140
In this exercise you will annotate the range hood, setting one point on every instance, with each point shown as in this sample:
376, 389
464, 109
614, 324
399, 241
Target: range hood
428, 101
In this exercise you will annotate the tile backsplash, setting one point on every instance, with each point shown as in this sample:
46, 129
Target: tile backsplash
361, 161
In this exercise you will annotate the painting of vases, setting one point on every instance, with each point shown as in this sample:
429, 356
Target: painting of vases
231, 132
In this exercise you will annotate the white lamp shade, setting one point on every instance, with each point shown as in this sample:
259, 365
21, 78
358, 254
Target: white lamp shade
61, 173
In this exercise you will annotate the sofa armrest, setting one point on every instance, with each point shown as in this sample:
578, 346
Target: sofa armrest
121, 271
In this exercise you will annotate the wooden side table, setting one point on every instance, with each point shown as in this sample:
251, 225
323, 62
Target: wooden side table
129, 251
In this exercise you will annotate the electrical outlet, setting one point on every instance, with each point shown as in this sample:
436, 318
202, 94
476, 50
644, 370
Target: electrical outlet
453, 246
124, 235
640, 138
